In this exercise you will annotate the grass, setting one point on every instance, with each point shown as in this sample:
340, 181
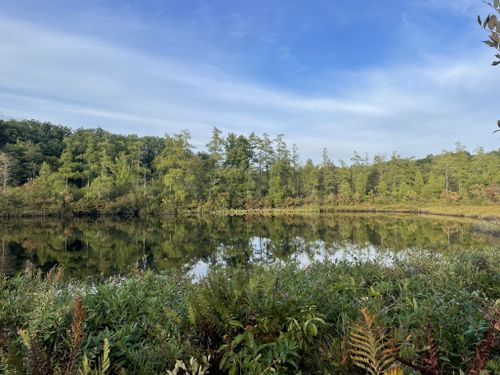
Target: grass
484, 212
256, 319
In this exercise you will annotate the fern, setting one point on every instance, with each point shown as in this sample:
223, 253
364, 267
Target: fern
104, 363
394, 371
493, 366
76, 334
483, 349
5, 367
85, 370
192, 368
431, 362
370, 349
37, 358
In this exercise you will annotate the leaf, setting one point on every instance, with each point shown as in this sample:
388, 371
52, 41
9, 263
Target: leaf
312, 329
25, 338
490, 43
394, 371
492, 22
237, 340
235, 323
370, 348
486, 22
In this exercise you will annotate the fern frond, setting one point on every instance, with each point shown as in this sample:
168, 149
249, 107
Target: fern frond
483, 350
431, 362
371, 350
85, 370
25, 338
38, 361
493, 366
76, 334
394, 371
105, 362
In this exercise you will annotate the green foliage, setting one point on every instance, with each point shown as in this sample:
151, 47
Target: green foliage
243, 355
370, 348
103, 364
305, 328
260, 319
48, 169
493, 366
192, 367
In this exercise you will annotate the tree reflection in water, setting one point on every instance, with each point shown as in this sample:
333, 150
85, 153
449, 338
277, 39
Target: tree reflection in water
105, 246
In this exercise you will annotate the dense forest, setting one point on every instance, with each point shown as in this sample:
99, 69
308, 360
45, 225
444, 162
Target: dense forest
46, 168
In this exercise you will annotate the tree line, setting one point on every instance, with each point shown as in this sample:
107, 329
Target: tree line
53, 169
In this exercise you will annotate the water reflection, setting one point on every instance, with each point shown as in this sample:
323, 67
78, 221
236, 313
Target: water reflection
109, 246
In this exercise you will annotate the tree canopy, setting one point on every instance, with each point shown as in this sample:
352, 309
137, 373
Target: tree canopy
49, 168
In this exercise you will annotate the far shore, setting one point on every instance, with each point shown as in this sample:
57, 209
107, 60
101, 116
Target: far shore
490, 212
481, 212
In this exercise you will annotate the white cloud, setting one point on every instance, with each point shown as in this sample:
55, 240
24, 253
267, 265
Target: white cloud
462, 6
79, 81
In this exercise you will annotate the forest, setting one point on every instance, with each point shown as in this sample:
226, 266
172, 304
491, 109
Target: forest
51, 169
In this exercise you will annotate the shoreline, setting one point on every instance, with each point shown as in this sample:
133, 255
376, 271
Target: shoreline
487, 213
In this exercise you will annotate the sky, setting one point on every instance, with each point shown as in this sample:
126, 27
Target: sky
379, 76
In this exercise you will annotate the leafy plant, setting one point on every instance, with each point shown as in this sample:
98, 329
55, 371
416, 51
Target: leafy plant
243, 355
193, 367
489, 340
37, 359
304, 329
396, 370
371, 349
76, 335
103, 363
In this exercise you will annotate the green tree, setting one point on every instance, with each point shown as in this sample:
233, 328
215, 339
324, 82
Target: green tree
281, 182
310, 182
6, 167
175, 167
359, 173
239, 185
265, 158
328, 178
215, 164
121, 172
419, 182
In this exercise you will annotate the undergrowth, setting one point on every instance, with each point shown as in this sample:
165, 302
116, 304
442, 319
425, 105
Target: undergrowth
426, 314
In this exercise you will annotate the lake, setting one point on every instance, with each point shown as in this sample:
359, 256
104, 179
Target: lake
105, 246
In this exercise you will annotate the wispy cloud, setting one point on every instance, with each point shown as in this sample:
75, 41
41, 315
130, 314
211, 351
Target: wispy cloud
79, 81
462, 6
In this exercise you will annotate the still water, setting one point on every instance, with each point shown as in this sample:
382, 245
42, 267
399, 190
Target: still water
104, 246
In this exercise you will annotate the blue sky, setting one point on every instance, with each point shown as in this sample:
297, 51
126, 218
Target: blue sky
370, 76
